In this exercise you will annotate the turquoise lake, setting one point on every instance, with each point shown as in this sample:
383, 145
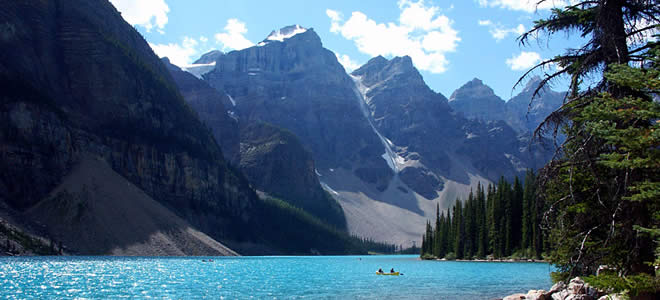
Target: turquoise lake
286, 277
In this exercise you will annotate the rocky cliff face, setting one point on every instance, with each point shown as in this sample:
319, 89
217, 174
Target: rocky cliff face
292, 82
412, 119
275, 162
475, 100
273, 159
432, 143
386, 146
525, 113
209, 104
76, 79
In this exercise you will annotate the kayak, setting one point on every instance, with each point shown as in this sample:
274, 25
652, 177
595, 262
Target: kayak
395, 273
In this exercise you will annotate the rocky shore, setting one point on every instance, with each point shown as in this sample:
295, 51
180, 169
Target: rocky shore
576, 289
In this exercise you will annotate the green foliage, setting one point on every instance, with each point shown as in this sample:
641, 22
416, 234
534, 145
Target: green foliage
603, 193
488, 224
295, 231
611, 170
633, 285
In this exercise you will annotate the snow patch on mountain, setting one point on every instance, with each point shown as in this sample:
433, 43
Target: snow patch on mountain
394, 161
233, 102
328, 188
285, 33
282, 34
199, 69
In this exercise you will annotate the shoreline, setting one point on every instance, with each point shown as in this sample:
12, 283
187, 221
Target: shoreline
512, 260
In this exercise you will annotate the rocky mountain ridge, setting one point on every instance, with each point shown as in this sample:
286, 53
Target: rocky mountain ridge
523, 112
386, 146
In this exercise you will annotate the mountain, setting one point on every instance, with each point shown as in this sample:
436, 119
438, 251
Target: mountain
525, 113
385, 145
209, 105
294, 83
273, 159
77, 81
476, 100
407, 112
275, 162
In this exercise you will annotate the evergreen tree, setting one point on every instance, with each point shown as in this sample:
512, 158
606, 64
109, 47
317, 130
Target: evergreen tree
516, 213
446, 235
436, 232
482, 248
469, 227
528, 222
459, 229
603, 191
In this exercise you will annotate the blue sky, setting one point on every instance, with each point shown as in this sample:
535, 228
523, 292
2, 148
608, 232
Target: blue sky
450, 41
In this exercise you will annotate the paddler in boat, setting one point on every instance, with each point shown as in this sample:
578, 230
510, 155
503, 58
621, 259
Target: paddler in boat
380, 271
392, 270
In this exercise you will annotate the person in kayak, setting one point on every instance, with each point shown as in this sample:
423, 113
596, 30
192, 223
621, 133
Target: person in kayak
380, 271
392, 270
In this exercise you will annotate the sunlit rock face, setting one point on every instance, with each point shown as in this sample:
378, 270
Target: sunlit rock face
293, 82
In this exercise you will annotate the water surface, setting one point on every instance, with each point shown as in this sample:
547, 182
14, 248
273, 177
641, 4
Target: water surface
294, 277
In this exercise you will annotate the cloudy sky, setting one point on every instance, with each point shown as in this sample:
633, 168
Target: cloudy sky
450, 41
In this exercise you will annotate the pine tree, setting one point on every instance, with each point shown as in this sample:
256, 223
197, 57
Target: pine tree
459, 229
436, 232
603, 192
493, 221
468, 222
482, 248
516, 211
529, 194
446, 235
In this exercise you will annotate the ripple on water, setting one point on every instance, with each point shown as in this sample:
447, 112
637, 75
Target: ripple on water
264, 277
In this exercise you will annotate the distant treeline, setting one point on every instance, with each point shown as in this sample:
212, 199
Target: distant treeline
295, 231
501, 221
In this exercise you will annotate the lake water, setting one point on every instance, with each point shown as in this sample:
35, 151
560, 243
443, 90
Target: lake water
325, 277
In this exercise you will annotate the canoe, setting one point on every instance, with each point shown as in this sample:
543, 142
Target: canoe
395, 273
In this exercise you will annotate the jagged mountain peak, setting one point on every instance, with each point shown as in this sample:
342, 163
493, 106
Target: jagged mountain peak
378, 63
288, 32
285, 32
474, 88
532, 84
378, 60
380, 69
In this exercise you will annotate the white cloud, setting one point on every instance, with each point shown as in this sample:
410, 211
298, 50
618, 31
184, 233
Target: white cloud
421, 32
347, 62
233, 38
523, 61
499, 32
523, 5
335, 17
146, 13
181, 54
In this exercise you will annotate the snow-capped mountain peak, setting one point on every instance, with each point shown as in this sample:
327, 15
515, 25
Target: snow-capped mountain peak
283, 33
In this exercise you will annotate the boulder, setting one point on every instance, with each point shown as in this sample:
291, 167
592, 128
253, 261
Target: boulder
576, 286
557, 287
579, 297
537, 295
560, 295
515, 297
